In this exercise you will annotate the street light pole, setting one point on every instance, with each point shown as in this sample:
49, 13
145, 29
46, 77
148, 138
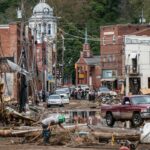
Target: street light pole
55, 69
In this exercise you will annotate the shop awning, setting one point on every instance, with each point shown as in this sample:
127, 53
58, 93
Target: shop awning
108, 79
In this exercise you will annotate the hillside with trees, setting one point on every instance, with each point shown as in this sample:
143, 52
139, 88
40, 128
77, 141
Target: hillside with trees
76, 15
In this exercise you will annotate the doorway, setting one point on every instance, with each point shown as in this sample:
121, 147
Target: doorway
134, 85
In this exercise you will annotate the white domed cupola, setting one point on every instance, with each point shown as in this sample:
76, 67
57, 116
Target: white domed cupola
43, 8
43, 22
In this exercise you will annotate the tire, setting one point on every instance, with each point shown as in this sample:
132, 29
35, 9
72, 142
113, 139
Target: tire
136, 120
62, 105
110, 120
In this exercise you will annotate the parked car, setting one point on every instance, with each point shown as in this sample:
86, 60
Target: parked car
135, 108
54, 99
106, 91
63, 91
83, 87
65, 98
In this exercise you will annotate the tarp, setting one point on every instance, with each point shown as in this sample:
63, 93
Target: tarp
145, 91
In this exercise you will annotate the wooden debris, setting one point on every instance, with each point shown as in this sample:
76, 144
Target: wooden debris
115, 129
117, 136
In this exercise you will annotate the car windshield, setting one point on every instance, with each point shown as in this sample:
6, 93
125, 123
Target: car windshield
104, 89
64, 96
54, 97
141, 100
60, 91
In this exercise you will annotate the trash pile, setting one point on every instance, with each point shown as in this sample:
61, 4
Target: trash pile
108, 99
28, 128
72, 136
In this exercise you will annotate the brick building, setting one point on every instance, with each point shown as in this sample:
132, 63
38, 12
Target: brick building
112, 51
88, 68
10, 48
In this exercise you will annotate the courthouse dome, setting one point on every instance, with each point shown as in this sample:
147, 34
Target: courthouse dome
42, 7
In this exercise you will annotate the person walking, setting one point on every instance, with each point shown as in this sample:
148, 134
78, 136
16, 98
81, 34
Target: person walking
56, 119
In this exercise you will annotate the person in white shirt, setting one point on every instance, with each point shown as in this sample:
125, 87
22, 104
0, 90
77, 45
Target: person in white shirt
48, 122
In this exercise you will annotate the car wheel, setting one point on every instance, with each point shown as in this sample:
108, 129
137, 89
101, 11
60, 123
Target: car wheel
110, 120
61, 105
136, 120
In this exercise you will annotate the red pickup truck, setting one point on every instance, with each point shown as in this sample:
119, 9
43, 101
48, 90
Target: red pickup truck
135, 108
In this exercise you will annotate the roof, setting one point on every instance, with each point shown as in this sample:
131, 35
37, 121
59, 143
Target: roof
41, 7
124, 25
95, 60
141, 32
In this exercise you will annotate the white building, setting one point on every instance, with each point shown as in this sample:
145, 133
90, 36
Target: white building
137, 63
44, 28
43, 22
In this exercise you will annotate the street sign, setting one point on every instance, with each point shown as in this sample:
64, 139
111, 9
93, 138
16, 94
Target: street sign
50, 77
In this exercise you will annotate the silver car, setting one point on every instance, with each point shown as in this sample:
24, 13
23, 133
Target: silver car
54, 99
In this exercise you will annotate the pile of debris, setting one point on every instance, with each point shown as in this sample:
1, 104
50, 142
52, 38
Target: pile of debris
72, 136
107, 99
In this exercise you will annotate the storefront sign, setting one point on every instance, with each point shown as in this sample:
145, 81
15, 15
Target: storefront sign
81, 75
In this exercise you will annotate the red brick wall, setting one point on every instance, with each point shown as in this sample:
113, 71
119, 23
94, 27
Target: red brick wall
14, 40
39, 56
15, 48
10, 42
96, 77
4, 41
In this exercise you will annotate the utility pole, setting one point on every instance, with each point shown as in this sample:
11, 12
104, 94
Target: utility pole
23, 61
63, 50
55, 71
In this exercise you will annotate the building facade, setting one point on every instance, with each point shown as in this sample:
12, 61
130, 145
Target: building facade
13, 49
44, 28
88, 68
137, 63
112, 52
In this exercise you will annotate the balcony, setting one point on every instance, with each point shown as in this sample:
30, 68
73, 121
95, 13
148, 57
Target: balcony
133, 70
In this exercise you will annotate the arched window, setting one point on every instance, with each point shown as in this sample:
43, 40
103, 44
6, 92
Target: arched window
44, 26
39, 28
